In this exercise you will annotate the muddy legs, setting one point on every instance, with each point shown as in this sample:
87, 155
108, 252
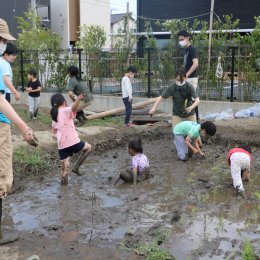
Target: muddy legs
81, 159
64, 171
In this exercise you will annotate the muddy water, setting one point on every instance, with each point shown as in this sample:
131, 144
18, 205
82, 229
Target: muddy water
191, 206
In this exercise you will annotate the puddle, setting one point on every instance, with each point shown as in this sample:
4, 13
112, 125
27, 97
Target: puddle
110, 202
193, 201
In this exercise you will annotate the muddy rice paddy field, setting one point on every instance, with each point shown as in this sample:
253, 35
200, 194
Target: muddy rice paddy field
186, 211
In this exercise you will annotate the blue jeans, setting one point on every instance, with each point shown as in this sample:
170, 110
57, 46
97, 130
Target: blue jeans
128, 109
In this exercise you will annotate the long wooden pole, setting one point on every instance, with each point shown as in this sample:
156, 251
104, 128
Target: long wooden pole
121, 109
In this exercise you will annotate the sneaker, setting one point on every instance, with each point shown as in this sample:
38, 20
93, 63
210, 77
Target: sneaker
35, 118
130, 124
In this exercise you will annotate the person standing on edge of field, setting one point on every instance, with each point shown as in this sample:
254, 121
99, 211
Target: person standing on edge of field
191, 62
127, 93
8, 115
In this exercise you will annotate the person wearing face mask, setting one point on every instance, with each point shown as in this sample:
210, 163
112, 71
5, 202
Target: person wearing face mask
191, 61
184, 98
127, 93
6, 73
8, 115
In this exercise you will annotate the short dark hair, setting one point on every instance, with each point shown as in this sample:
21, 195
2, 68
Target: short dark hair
136, 145
181, 73
10, 49
131, 69
183, 33
73, 71
33, 73
245, 147
209, 127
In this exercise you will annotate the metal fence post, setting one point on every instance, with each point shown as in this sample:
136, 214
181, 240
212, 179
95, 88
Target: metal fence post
233, 51
21, 69
79, 61
149, 71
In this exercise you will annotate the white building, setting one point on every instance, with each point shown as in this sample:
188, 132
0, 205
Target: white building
68, 15
118, 26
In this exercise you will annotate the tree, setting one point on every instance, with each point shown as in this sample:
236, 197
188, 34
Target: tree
92, 41
41, 46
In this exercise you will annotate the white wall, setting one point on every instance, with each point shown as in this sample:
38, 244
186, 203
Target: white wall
119, 27
60, 20
96, 12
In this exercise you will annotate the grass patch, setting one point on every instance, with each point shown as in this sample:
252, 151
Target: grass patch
105, 121
42, 118
248, 251
153, 252
33, 161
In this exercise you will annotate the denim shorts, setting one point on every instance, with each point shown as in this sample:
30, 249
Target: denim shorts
69, 151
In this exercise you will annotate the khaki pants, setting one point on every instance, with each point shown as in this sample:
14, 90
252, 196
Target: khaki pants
177, 119
6, 154
84, 103
193, 82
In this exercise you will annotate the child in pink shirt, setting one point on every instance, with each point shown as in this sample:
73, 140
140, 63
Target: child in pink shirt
139, 164
67, 137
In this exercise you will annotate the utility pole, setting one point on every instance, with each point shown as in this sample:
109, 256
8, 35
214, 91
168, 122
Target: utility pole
33, 9
210, 40
210, 31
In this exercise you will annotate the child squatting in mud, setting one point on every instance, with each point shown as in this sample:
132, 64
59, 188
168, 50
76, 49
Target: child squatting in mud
139, 165
67, 137
187, 132
239, 160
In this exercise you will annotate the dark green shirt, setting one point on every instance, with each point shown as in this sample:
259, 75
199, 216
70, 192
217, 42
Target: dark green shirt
78, 87
182, 96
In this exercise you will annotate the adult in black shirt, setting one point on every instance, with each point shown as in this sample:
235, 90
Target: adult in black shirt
34, 89
191, 61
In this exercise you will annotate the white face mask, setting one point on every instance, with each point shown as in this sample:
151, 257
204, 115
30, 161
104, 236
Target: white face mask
2, 48
178, 83
182, 43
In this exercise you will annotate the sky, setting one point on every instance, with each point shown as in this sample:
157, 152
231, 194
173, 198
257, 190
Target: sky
119, 6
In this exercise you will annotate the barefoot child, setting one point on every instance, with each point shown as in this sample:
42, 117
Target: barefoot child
239, 161
67, 137
187, 132
139, 164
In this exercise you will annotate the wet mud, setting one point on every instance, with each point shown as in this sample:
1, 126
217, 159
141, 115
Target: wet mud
189, 209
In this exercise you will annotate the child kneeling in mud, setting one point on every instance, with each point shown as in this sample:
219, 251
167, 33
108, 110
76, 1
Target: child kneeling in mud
139, 164
67, 137
187, 132
239, 160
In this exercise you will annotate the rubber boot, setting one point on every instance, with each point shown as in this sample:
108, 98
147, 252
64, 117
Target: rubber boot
82, 114
6, 236
81, 120
30, 116
81, 159
35, 113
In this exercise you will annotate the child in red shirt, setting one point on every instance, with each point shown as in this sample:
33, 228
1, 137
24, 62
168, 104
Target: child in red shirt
239, 160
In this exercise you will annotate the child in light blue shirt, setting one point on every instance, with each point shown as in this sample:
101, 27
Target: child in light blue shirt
188, 132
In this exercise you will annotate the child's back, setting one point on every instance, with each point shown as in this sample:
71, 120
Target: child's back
140, 161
